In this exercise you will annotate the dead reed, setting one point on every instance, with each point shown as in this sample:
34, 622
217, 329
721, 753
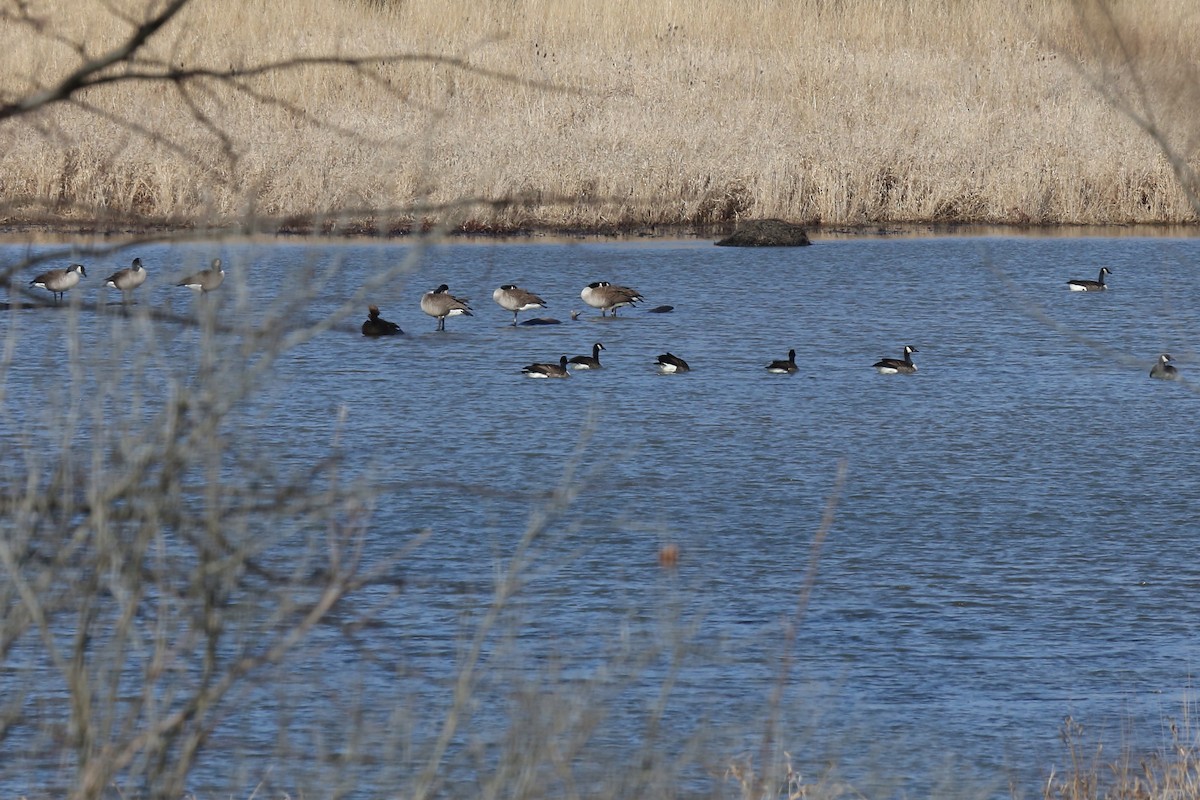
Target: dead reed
1090, 774
598, 114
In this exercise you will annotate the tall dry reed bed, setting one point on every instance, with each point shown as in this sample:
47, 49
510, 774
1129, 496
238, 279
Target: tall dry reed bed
601, 113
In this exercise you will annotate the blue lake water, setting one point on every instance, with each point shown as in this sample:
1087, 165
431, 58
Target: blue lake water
1012, 543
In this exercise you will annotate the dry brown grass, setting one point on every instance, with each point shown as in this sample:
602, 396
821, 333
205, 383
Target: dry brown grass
618, 112
1172, 774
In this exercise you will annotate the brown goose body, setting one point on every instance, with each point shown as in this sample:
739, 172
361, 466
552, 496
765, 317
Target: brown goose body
607, 297
515, 299
441, 304
206, 280
58, 281
127, 279
1097, 285
558, 370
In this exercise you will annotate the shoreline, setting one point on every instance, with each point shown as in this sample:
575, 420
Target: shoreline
46, 231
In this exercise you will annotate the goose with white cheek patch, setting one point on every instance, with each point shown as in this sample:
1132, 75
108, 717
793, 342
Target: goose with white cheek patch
1164, 369
127, 279
58, 281
898, 366
588, 362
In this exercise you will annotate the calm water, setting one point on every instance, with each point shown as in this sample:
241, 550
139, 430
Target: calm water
1012, 544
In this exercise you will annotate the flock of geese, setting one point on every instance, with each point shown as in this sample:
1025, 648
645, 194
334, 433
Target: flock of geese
59, 281
440, 304
609, 297
606, 296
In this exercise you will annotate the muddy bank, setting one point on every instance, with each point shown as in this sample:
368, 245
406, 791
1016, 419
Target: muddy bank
50, 230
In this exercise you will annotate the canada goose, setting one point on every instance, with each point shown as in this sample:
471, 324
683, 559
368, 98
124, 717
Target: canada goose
784, 367
377, 325
1164, 369
668, 364
660, 310
558, 370
604, 296
206, 280
127, 279
892, 366
1090, 286
59, 281
441, 304
515, 299
589, 362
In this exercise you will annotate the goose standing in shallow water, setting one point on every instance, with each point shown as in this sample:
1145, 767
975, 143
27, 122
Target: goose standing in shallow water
558, 370
1164, 369
606, 297
893, 366
127, 279
515, 299
58, 281
1097, 285
376, 325
441, 304
669, 364
588, 362
206, 280
784, 367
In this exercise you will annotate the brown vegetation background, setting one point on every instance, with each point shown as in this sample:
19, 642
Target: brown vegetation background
601, 114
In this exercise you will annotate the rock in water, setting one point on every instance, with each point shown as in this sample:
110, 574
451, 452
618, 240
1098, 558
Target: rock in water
766, 233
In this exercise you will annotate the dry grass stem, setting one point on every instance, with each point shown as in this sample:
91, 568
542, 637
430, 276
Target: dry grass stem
598, 114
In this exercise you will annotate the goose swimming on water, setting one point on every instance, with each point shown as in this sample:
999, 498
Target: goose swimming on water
669, 364
588, 362
1097, 285
784, 367
894, 366
558, 370
1164, 368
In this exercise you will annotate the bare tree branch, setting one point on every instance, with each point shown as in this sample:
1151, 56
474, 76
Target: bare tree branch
88, 73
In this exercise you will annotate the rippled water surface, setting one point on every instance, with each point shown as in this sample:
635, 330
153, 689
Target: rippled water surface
1012, 543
